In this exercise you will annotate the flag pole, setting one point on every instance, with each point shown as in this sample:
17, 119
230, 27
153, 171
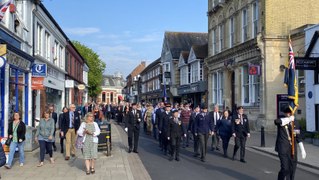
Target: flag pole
292, 122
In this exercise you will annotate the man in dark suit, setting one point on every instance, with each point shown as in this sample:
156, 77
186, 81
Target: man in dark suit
85, 109
191, 128
175, 130
132, 127
54, 116
215, 117
91, 106
163, 125
288, 163
240, 130
158, 114
69, 126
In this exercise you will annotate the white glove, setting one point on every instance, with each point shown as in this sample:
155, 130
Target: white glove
303, 151
125, 129
287, 120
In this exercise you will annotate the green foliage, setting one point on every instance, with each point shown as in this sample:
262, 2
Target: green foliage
303, 124
316, 136
309, 135
96, 68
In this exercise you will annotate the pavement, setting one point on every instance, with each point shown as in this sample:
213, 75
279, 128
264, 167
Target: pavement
119, 166
312, 159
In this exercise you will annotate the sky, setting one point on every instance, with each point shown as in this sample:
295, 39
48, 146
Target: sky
125, 32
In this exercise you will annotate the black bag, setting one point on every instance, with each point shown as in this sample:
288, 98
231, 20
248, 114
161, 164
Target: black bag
3, 158
8, 141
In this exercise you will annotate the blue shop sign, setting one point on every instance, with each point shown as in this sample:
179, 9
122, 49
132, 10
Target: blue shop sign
39, 70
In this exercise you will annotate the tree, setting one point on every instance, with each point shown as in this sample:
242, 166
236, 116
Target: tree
96, 68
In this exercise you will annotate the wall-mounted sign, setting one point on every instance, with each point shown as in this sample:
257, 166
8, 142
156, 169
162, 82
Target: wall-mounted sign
3, 49
37, 83
81, 86
254, 69
69, 83
309, 63
39, 70
18, 61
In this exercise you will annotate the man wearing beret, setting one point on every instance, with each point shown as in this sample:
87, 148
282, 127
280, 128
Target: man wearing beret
203, 128
132, 127
240, 130
175, 132
163, 127
284, 143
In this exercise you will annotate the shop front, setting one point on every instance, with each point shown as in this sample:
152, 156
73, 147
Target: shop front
194, 93
15, 86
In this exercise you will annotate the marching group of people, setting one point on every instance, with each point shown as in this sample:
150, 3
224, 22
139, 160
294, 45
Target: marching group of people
173, 127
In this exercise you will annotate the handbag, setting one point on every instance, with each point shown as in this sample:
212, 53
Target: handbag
9, 140
79, 142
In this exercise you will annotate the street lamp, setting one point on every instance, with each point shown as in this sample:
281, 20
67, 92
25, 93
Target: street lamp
164, 79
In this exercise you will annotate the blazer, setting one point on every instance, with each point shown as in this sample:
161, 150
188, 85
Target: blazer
66, 121
175, 130
21, 129
241, 130
203, 124
133, 120
164, 122
224, 127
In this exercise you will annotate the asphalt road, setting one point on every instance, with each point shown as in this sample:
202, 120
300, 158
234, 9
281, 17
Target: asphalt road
258, 166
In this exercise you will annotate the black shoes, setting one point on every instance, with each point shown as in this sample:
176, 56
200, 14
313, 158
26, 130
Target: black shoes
196, 155
170, 158
135, 151
243, 161
177, 159
130, 150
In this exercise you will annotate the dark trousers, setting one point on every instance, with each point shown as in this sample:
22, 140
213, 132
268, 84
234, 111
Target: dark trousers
186, 139
225, 140
154, 131
45, 147
196, 144
215, 141
287, 167
61, 143
175, 145
203, 138
164, 142
240, 142
133, 134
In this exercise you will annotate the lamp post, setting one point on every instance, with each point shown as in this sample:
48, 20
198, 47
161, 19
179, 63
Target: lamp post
164, 81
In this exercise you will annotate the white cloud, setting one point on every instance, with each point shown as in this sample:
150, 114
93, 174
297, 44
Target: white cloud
148, 38
82, 31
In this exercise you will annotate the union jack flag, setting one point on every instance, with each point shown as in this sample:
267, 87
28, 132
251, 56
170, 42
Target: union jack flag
291, 80
3, 8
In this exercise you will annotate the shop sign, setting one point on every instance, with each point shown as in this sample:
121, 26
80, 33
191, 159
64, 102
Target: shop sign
254, 70
309, 63
39, 70
69, 83
18, 61
37, 83
81, 86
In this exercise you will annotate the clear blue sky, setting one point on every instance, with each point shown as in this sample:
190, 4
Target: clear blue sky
125, 32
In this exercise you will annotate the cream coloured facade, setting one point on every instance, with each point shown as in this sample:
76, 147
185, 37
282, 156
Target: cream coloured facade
248, 42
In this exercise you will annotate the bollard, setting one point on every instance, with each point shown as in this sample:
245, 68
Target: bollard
262, 133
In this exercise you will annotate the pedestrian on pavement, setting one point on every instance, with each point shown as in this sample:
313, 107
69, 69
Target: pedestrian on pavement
54, 116
240, 130
90, 130
64, 110
215, 117
70, 124
16, 131
165, 117
85, 109
132, 127
288, 164
98, 115
191, 128
44, 136
224, 127
203, 128
185, 117
158, 117
175, 132
148, 118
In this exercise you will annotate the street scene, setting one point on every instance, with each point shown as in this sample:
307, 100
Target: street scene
140, 90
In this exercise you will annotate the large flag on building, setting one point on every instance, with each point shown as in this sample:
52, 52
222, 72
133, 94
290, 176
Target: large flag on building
291, 80
3, 8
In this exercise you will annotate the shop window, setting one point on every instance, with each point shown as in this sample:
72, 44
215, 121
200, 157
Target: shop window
301, 81
244, 25
255, 19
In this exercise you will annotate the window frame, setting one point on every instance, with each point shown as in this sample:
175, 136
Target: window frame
244, 25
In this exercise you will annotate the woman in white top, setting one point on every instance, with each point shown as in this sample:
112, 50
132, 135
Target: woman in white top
90, 130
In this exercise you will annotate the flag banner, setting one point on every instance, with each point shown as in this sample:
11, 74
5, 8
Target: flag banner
3, 8
290, 80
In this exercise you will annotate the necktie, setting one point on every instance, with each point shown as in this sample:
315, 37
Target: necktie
215, 118
241, 119
72, 117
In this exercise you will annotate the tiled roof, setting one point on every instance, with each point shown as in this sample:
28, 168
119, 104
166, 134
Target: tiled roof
183, 41
201, 51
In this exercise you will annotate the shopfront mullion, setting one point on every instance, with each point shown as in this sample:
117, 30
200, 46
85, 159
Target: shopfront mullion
26, 99
2, 101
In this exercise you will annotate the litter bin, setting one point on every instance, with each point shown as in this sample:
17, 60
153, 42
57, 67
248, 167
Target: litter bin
30, 144
105, 141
